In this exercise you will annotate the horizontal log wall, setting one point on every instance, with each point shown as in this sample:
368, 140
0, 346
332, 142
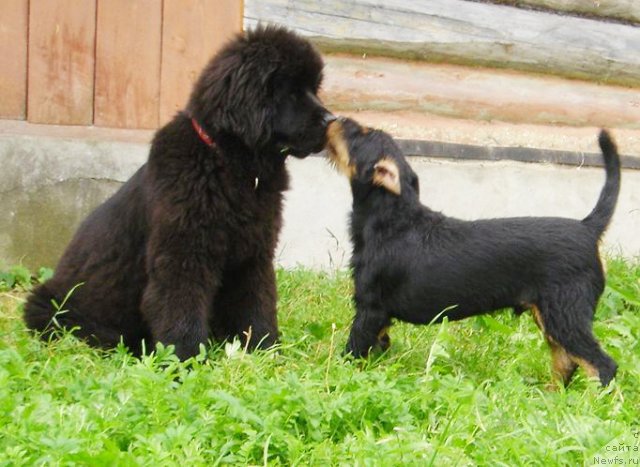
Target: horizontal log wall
619, 10
465, 32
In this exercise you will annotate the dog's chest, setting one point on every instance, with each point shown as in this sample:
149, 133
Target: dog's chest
238, 217
252, 222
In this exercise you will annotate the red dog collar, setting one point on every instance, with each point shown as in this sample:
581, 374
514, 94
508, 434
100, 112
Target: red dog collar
206, 139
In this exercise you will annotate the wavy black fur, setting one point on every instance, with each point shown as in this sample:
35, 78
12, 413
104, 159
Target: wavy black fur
184, 250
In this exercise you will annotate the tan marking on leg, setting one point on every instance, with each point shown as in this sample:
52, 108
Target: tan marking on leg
562, 365
590, 370
384, 341
537, 317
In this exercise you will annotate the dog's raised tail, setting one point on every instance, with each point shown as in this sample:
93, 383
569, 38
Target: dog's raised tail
601, 215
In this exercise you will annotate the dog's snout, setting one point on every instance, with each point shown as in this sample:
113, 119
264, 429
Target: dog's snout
328, 118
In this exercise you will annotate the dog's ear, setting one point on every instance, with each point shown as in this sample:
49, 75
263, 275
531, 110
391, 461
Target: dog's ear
386, 174
234, 95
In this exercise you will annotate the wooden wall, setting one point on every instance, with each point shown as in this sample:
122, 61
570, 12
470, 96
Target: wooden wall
114, 63
584, 39
13, 50
189, 35
622, 10
131, 63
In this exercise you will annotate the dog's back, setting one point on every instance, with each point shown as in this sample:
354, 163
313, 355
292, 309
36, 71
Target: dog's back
430, 262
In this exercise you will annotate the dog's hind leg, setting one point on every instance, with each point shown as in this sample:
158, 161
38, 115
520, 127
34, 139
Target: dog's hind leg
563, 367
585, 351
569, 330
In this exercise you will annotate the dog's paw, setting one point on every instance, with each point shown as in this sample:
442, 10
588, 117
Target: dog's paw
384, 342
352, 352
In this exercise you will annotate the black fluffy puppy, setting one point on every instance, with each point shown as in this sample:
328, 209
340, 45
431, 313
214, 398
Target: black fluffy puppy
183, 251
411, 263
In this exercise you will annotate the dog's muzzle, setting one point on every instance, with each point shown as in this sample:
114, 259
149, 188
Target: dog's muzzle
328, 118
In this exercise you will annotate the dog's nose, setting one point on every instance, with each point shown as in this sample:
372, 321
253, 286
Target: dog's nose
328, 118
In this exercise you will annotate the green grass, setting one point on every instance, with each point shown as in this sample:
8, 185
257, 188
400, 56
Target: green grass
466, 393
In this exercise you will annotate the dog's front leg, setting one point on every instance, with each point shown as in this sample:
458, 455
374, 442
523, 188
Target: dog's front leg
176, 312
246, 305
182, 280
369, 323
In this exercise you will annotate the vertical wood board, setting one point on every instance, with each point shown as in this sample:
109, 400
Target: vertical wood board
193, 31
13, 50
61, 61
128, 63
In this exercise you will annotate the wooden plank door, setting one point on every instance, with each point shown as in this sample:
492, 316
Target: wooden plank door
61, 61
13, 50
128, 63
193, 31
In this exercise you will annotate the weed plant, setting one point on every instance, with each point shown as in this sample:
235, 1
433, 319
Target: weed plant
464, 393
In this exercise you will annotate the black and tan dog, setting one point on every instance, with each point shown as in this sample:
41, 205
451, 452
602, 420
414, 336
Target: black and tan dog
411, 263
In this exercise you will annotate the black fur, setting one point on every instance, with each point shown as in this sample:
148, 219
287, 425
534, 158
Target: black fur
411, 263
184, 250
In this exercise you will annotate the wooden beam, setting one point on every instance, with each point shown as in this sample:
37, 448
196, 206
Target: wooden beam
13, 50
61, 61
192, 32
128, 63
623, 10
464, 32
